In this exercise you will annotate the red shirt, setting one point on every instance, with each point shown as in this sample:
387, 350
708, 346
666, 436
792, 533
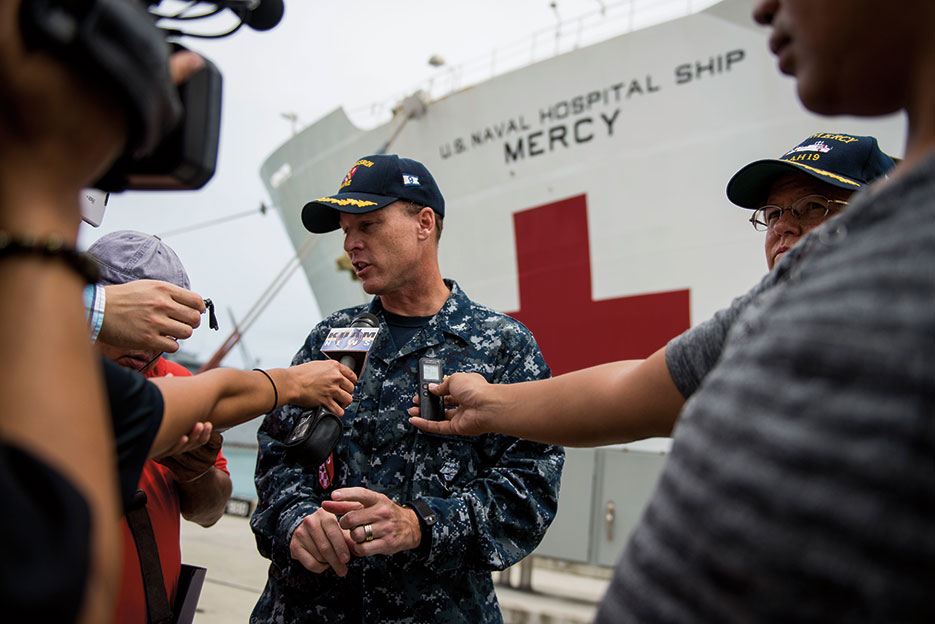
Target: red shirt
162, 504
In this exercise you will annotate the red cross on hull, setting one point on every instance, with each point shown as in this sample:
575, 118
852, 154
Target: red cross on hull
573, 330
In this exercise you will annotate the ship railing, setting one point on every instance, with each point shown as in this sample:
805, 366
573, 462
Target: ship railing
608, 21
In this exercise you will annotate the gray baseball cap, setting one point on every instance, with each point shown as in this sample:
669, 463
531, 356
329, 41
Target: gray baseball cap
125, 256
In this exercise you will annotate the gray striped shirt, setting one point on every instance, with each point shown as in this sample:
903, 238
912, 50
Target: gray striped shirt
801, 482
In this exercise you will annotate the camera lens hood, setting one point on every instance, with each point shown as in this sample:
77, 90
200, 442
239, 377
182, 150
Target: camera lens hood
116, 45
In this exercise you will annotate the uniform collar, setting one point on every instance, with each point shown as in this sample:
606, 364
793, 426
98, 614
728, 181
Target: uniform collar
450, 319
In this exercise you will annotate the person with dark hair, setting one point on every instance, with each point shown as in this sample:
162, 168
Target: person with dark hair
59, 560
75, 430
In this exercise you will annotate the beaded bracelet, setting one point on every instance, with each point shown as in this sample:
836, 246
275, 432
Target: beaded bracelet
275, 391
52, 247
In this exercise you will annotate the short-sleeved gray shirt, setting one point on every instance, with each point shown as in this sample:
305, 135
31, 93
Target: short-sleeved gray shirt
801, 481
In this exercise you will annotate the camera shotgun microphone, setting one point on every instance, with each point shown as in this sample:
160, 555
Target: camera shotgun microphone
257, 14
316, 432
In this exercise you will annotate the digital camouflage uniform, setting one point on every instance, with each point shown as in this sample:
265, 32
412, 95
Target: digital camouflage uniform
494, 495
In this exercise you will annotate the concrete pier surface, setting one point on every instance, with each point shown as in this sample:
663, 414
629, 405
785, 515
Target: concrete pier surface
558, 593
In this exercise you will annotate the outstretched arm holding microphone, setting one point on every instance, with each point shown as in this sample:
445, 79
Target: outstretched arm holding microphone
226, 397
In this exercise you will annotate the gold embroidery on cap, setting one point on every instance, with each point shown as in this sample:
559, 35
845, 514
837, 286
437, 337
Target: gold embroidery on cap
345, 202
824, 173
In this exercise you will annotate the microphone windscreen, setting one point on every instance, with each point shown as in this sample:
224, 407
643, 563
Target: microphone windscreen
365, 319
265, 16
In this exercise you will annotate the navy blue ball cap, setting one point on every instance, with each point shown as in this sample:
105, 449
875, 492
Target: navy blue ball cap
374, 182
846, 161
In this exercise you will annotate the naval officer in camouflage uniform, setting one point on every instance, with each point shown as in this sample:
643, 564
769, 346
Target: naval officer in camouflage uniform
417, 521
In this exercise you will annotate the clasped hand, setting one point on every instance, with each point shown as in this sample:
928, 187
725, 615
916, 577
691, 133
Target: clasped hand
327, 538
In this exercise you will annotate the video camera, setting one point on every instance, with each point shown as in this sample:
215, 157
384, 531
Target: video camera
123, 47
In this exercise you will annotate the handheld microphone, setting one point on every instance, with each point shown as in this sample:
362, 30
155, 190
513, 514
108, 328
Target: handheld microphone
316, 432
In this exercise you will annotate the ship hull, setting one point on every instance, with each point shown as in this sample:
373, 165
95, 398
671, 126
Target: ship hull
586, 192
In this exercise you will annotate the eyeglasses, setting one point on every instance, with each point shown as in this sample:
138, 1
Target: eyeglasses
808, 210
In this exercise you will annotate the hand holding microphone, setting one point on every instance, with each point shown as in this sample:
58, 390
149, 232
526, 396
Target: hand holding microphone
316, 432
323, 383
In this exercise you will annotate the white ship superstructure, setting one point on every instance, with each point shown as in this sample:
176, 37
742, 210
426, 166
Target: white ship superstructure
588, 188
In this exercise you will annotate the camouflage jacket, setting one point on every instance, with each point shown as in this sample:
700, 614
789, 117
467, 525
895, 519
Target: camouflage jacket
494, 495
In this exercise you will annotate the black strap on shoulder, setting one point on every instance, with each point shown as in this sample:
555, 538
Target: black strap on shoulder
157, 602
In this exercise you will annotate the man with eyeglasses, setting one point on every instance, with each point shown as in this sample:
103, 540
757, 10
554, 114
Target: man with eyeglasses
797, 192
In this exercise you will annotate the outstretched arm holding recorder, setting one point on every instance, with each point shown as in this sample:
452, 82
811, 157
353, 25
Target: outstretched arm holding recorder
625, 401
629, 400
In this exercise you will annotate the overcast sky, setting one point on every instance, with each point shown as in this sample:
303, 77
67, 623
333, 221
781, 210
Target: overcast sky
323, 55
